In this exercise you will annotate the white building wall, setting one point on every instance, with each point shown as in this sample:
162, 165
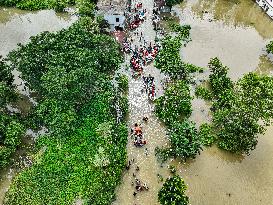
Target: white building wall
112, 20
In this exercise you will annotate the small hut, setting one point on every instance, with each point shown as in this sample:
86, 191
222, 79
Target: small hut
113, 12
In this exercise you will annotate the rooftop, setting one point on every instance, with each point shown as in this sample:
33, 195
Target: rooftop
112, 6
270, 2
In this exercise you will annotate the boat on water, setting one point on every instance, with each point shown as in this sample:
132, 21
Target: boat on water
267, 6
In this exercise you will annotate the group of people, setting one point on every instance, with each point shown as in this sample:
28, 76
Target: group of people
142, 56
139, 140
138, 16
149, 86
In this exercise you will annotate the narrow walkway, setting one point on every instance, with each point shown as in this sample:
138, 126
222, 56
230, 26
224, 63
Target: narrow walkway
154, 132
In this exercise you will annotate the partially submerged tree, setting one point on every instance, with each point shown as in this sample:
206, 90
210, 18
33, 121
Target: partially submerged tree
269, 47
173, 192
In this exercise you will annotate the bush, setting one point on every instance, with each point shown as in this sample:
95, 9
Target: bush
185, 142
175, 104
86, 7
269, 47
173, 192
206, 135
203, 93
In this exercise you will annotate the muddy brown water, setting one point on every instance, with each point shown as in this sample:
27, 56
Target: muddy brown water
17, 26
236, 32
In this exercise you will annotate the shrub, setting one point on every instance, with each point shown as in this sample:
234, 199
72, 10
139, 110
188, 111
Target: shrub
185, 142
203, 93
206, 135
269, 47
173, 192
175, 104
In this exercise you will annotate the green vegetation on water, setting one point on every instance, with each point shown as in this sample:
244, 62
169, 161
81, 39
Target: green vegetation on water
86, 7
175, 104
173, 192
83, 155
11, 130
174, 107
240, 110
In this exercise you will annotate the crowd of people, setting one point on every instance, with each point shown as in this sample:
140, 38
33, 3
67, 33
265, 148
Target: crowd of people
141, 56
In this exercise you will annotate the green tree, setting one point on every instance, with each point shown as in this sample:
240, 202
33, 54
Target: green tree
175, 104
185, 142
173, 192
269, 47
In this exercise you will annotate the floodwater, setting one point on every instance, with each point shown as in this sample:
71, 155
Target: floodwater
150, 170
18, 26
236, 32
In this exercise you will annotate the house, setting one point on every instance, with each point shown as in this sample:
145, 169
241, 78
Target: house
113, 12
267, 6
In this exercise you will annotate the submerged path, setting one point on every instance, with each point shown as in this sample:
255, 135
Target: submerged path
154, 132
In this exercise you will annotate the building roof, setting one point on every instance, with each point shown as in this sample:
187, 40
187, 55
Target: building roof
270, 2
112, 6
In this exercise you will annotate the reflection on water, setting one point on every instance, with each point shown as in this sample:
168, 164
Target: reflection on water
235, 13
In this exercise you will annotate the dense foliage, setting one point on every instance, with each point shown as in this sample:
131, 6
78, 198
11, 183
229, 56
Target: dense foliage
175, 104
206, 134
185, 142
269, 47
58, 5
82, 157
168, 59
220, 84
173, 192
11, 130
241, 110
85, 7
174, 107
203, 93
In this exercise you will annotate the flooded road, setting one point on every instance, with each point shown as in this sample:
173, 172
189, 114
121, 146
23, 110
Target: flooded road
236, 32
18, 26
150, 170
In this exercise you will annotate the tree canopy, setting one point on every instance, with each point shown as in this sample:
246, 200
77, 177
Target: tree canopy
173, 192
240, 110
84, 153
